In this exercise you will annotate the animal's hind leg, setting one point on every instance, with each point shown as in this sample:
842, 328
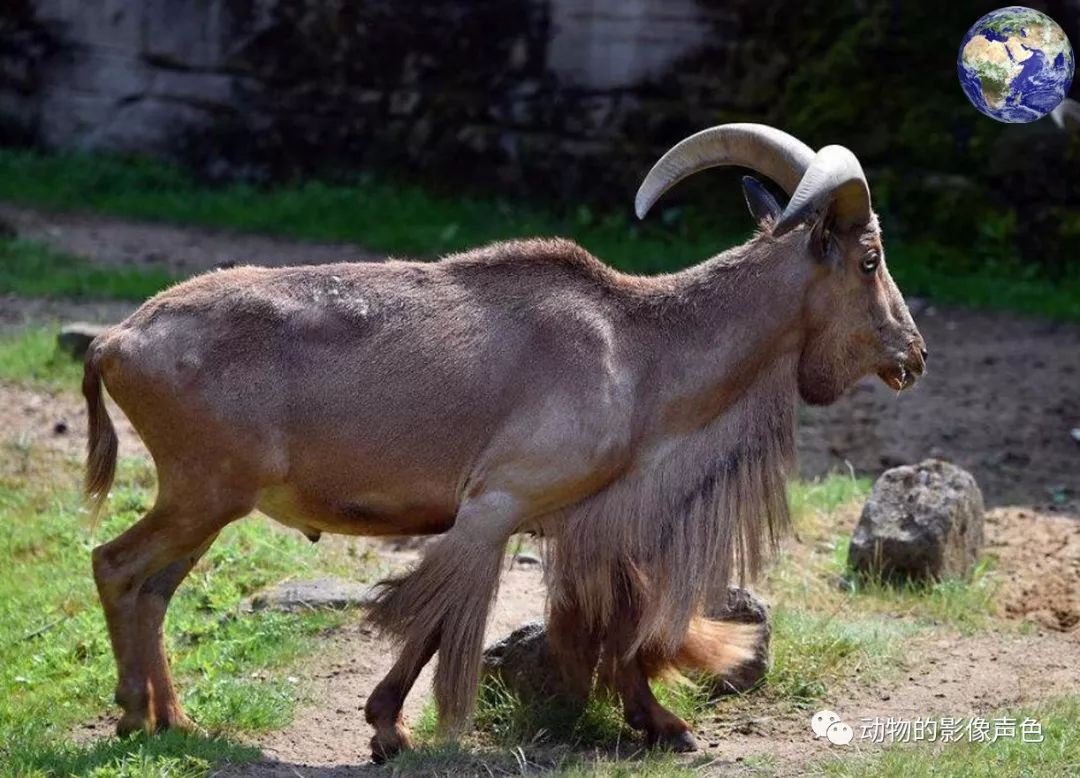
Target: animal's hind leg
154, 597
170, 531
630, 678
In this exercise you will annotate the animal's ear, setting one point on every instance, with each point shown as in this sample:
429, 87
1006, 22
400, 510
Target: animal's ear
763, 206
822, 240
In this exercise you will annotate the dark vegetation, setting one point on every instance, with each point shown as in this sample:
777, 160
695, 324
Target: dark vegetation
876, 75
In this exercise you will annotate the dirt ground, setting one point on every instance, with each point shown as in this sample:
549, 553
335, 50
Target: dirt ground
941, 675
1000, 399
181, 250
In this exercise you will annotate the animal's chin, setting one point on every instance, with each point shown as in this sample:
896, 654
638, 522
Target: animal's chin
813, 393
818, 386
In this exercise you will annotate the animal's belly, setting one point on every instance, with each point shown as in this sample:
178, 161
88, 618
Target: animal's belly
362, 514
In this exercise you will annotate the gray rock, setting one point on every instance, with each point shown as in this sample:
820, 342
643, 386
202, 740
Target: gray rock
75, 338
320, 593
922, 522
524, 662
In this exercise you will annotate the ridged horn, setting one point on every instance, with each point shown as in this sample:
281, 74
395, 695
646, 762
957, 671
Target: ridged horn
835, 178
769, 151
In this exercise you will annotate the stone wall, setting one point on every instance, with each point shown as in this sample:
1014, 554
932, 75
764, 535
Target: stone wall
557, 99
499, 92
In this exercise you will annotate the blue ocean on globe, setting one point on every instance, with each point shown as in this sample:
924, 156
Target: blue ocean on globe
1015, 64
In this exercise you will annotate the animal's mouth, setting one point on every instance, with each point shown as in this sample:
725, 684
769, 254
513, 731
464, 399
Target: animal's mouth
899, 375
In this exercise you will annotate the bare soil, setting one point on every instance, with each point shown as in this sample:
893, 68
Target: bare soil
1000, 399
181, 250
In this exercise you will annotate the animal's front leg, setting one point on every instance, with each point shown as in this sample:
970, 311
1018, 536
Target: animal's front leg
644, 712
629, 675
443, 603
383, 708
576, 649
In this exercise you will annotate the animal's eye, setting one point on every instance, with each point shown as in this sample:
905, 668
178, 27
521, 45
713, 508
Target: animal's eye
870, 263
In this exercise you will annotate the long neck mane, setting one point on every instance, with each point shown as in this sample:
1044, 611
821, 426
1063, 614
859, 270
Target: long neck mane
707, 498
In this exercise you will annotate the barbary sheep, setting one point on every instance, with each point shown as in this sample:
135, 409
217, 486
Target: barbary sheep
642, 425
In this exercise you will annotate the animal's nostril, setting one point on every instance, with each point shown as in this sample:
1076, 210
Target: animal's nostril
923, 354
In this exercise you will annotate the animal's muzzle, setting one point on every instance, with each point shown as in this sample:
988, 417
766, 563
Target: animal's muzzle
908, 367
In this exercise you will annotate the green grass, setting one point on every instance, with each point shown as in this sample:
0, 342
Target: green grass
815, 572
923, 271
33, 270
406, 220
1057, 755
386, 217
171, 755
813, 500
813, 652
56, 667
619, 761
29, 355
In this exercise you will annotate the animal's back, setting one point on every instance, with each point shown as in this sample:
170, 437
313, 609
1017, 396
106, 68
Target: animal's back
403, 370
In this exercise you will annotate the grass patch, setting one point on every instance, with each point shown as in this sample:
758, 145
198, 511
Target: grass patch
29, 355
812, 651
504, 719
406, 220
31, 269
814, 574
56, 667
924, 271
814, 501
965, 604
618, 762
387, 217
170, 755
1058, 754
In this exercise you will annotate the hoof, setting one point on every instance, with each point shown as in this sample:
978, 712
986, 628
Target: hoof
387, 745
176, 721
680, 742
130, 723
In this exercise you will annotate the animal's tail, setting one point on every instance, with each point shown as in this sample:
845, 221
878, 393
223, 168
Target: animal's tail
101, 446
714, 647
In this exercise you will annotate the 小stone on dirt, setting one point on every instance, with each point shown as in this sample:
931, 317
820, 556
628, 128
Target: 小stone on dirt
75, 338
523, 661
316, 594
922, 522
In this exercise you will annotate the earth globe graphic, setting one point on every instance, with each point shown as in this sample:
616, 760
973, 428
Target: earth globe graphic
1015, 64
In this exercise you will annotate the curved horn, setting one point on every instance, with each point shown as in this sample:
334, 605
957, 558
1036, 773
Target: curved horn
834, 177
769, 151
